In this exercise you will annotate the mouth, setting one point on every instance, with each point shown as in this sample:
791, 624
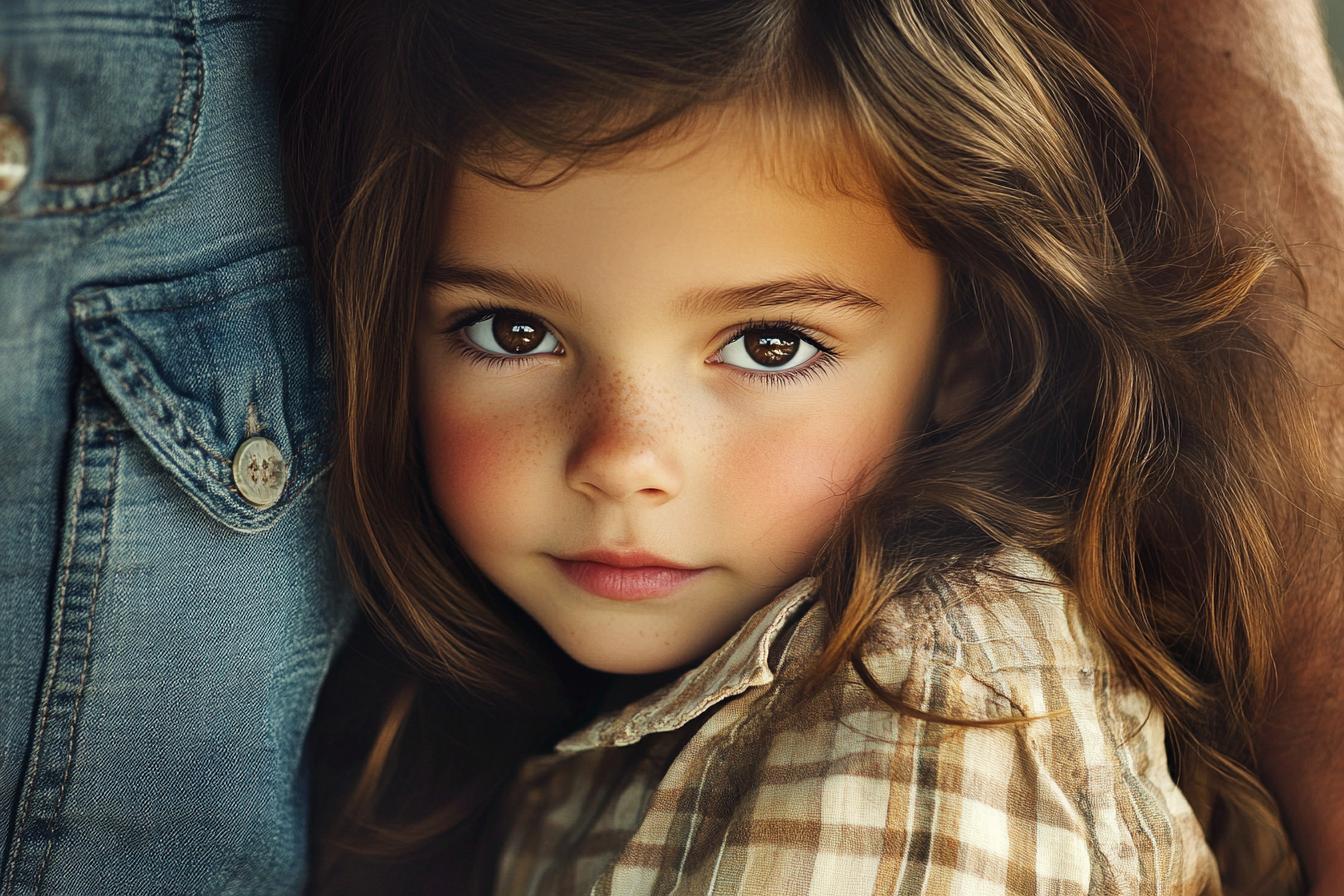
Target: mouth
625, 576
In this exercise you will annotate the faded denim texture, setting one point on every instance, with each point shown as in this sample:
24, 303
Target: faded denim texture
162, 642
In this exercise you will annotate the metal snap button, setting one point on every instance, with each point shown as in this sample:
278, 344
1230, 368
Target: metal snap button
259, 471
13, 157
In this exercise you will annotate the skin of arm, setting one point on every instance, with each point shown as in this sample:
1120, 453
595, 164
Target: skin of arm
1247, 113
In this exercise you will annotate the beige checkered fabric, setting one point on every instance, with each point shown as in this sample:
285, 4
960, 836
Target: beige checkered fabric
737, 779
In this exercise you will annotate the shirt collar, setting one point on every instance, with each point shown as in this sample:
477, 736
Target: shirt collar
743, 662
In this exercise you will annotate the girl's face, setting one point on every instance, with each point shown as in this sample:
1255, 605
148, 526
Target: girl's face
646, 393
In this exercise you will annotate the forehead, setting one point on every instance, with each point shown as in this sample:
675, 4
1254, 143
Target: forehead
717, 203
809, 147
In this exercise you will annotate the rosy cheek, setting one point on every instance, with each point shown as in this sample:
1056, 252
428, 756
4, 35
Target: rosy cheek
786, 492
480, 463
790, 484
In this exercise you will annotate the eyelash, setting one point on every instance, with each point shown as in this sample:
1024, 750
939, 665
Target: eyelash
459, 342
826, 355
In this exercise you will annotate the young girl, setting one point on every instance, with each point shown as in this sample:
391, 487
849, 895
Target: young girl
845, 368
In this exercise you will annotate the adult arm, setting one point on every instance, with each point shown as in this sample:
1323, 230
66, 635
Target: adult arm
1247, 112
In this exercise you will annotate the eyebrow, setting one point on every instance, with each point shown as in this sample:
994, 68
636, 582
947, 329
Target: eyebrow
548, 295
796, 291
534, 291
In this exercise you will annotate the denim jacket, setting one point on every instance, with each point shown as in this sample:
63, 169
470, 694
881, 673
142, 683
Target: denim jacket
162, 639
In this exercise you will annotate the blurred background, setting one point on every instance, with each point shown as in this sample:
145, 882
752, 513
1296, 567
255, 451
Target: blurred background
1333, 13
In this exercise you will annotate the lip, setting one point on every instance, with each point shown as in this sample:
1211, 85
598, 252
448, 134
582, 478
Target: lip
616, 575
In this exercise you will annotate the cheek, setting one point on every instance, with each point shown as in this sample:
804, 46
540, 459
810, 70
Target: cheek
788, 488
479, 462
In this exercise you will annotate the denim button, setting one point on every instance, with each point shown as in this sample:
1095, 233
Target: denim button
259, 471
13, 157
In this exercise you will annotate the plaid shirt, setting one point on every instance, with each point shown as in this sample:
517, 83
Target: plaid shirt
737, 779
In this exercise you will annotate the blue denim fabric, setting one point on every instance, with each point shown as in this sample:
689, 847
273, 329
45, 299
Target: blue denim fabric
162, 641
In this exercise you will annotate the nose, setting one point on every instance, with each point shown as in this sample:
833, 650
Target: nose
624, 446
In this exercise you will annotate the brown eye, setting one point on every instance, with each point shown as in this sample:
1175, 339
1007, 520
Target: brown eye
512, 333
517, 333
769, 349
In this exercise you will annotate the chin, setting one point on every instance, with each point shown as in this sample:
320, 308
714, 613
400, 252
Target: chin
634, 659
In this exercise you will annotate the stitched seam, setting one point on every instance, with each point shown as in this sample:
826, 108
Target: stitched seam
276, 268
159, 417
149, 386
106, 309
84, 671
158, 148
59, 642
182, 158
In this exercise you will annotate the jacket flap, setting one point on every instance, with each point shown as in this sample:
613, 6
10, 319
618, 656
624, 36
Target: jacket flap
200, 365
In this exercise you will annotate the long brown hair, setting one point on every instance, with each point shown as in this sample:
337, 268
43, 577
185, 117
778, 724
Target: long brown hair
1141, 430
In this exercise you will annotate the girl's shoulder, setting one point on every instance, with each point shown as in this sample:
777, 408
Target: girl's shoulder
991, 747
994, 640
999, 639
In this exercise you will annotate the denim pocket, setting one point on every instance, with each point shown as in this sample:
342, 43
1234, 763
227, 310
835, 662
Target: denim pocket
201, 364
110, 91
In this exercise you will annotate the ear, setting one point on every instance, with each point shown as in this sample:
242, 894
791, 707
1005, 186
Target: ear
964, 377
